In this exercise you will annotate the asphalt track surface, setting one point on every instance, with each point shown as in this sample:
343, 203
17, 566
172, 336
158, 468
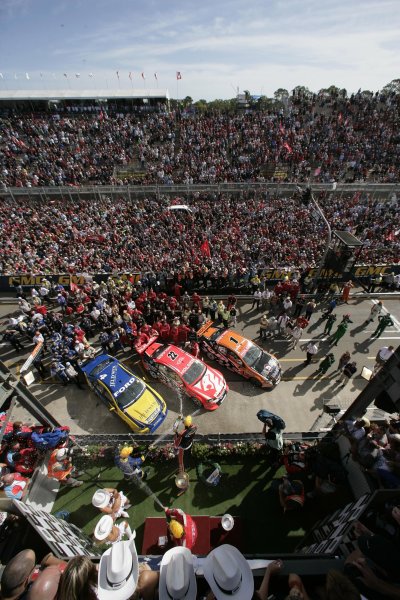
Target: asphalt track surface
298, 399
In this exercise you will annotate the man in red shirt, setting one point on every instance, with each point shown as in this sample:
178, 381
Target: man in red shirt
182, 529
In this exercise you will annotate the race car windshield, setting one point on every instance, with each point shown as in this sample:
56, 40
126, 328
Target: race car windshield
130, 395
101, 366
193, 373
252, 355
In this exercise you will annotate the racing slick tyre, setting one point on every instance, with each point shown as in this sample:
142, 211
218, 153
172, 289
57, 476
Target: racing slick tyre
255, 382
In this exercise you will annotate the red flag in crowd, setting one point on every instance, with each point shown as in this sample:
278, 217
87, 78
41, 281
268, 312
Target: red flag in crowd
317, 171
205, 249
288, 148
73, 287
178, 75
281, 128
390, 236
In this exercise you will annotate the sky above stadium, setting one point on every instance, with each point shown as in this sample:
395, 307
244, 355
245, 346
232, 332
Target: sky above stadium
217, 47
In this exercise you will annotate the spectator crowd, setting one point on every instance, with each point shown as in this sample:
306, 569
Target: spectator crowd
226, 239
343, 138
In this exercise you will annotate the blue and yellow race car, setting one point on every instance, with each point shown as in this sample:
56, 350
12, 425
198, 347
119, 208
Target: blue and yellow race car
141, 407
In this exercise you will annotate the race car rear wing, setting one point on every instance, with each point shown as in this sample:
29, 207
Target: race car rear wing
204, 327
140, 348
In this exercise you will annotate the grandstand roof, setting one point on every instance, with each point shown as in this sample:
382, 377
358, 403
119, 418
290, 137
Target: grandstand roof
133, 94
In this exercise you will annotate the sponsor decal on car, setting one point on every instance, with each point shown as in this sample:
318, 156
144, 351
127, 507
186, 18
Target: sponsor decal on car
124, 387
113, 378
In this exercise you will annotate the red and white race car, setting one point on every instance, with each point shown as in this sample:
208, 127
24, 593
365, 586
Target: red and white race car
176, 368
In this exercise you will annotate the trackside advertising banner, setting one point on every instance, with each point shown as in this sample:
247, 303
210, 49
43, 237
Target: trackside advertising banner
8, 282
361, 272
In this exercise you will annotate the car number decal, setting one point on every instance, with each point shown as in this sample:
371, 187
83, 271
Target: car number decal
172, 355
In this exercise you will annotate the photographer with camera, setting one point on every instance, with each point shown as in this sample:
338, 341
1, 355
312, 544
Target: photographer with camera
60, 467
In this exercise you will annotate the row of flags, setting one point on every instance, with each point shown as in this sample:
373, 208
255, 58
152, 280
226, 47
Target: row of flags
90, 75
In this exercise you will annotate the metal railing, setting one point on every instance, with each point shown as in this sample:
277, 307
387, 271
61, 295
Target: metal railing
278, 188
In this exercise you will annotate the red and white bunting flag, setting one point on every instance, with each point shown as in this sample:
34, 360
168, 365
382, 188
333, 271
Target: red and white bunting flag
155, 76
178, 75
143, 76
130, 75
117, 73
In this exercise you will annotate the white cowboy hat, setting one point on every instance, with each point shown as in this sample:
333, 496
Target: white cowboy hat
228, 574
177, 577
61, 453
118, 572
103, 528
101, 499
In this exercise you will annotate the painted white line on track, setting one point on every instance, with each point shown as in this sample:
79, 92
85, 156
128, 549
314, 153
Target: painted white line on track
384, 310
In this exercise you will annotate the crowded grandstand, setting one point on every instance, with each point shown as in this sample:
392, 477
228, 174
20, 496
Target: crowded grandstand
95, 280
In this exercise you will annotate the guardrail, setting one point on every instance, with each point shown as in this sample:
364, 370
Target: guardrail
182, 189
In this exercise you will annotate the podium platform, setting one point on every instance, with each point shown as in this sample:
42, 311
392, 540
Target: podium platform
210, 534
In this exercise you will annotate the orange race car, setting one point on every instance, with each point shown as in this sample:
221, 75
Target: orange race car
239, 354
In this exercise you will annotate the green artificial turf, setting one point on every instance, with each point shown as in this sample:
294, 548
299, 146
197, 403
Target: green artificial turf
247, 489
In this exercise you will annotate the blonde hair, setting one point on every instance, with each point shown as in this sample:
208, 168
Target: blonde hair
338, 586
78, 580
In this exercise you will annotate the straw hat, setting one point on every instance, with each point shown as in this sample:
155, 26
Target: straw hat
118, 572
177, 577
103, 528
101, 499
228, 574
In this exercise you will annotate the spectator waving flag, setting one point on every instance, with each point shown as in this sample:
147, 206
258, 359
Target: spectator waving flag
205, 249
288, 148
178, 75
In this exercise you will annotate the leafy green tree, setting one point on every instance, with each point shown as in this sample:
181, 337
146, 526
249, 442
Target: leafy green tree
393, 87
332, 91
302, 91
188, 101
281, 95
201, 105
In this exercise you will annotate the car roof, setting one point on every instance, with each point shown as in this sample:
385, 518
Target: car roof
114, 375
180, 364
234, 341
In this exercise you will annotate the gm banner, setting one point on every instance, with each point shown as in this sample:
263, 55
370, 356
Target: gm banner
361, 272
8, 283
